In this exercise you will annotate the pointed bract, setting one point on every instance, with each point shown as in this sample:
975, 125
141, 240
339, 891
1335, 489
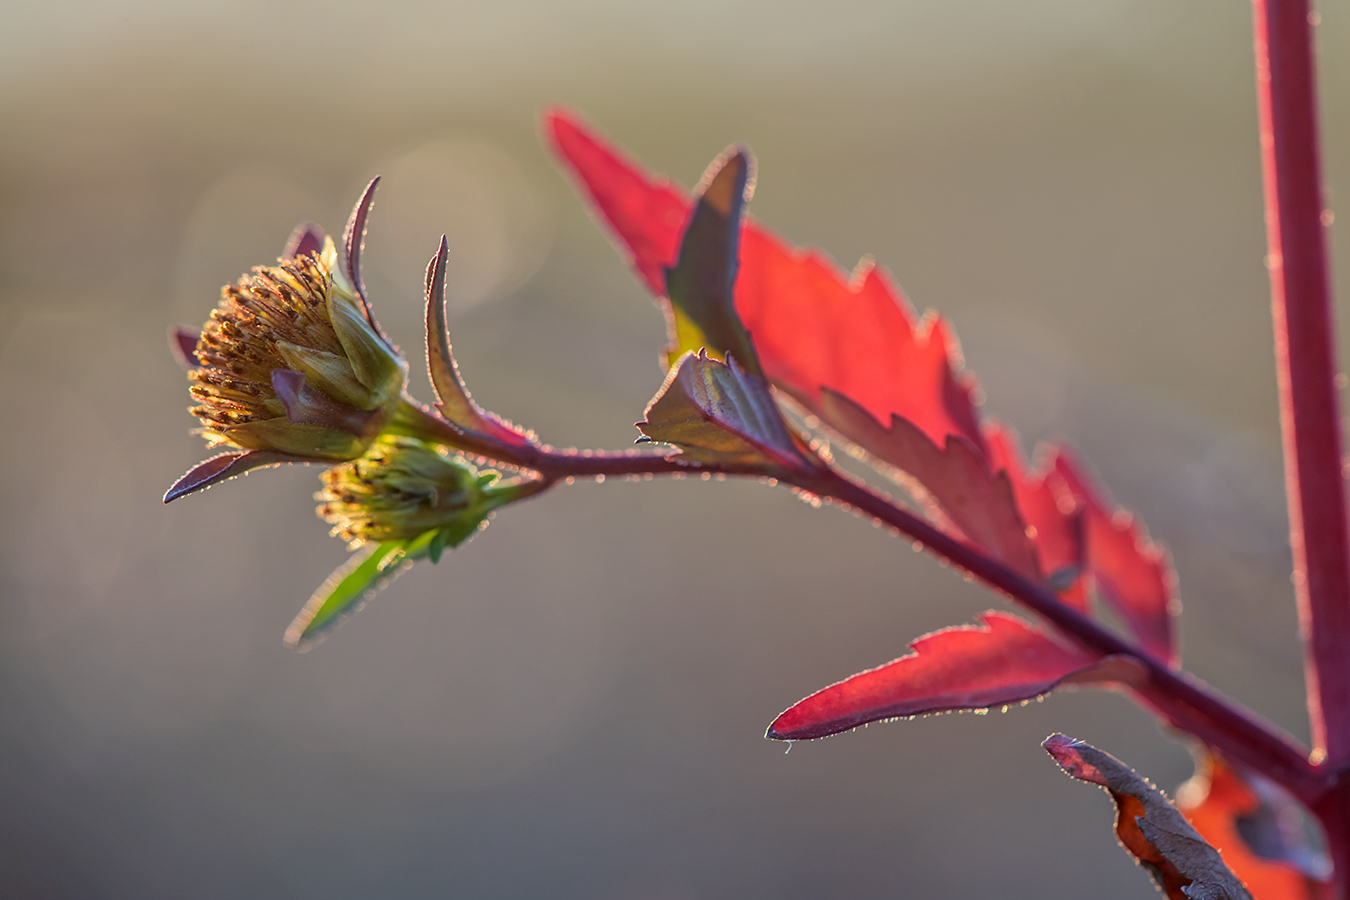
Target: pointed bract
453, 399
183, 346
354, 242
223, 467
1000, 660
306, 239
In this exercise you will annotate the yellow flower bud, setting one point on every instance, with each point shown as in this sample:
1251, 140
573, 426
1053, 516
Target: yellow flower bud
290, 363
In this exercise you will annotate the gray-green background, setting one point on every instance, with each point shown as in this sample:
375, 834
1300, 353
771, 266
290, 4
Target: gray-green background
572, 705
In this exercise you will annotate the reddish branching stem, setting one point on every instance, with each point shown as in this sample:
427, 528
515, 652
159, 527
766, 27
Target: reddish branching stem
1306, 359
1310, 418
1185, 702
1181, 700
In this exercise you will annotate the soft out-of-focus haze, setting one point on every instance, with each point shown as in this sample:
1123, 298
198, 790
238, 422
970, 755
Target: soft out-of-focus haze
572, 705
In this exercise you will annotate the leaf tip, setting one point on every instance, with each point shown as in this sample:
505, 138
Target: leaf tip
307, 238
183, 345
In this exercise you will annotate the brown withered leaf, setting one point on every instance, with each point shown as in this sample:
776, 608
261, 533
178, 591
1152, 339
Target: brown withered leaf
716, 412
1184, 866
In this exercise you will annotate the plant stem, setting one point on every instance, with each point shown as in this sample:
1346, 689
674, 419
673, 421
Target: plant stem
1306, 358
1177, 697
1184, 701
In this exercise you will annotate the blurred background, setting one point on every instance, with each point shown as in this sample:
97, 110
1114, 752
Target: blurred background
573, 704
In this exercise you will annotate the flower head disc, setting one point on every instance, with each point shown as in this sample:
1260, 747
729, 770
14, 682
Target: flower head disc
289, 363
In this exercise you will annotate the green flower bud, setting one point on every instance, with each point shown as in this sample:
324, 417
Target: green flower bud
404, 488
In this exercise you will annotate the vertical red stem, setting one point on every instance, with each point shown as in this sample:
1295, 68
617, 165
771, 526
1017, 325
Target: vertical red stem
1306, 358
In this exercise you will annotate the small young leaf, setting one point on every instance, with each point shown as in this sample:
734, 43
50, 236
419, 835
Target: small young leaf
715, 412
1184, 866
1001, 660
1255, 825
225, 466
346, 589
701, 284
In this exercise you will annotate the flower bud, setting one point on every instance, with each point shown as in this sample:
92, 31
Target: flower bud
403, 488
290, 363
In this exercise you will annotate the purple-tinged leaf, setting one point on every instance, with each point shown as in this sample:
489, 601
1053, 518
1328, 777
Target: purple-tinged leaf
956, 477
715, 412
1181, 862
223, 467
453, 399
307, 238
354, 242
183, 346
307, 405
1001, 660
700, 286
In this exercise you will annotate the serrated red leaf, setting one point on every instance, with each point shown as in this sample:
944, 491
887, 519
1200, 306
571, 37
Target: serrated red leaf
1000, 660
821, 333
979, 501
1249, 821
1134, 575
648, 215
812, 325
1053, 515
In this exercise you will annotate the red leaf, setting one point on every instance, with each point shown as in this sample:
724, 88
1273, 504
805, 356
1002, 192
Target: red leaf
1054, 516
956, 476
820, 334
1003, 659
813, 327
1134, 575
648, 215
1249, 821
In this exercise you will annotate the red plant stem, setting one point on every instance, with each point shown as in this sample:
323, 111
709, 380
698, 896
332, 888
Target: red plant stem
1306, 359
1182, 700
